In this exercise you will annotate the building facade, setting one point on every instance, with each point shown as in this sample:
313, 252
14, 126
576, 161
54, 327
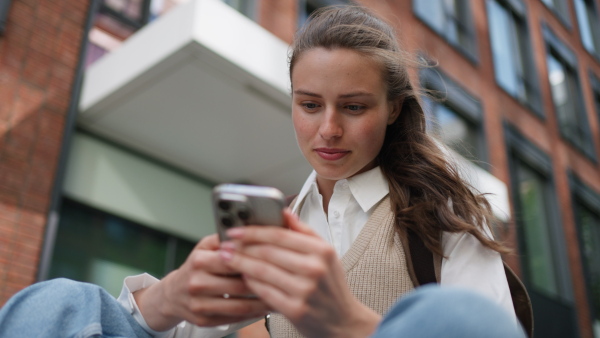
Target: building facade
117, 118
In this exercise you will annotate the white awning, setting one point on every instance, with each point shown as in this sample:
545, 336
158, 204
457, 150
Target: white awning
205, 89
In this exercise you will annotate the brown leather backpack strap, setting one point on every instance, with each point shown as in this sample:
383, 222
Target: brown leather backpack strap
421, 259
521, 301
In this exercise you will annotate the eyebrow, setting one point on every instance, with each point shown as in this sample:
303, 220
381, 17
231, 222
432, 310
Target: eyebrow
303, 92
343, 96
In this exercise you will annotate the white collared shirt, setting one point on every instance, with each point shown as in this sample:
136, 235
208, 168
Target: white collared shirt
350, 207
468, 264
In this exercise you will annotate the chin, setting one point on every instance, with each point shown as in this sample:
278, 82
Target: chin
334, 175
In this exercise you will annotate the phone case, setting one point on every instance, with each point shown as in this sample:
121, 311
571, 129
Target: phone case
238, 205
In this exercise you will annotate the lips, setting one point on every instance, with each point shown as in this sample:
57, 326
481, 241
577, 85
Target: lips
331, 154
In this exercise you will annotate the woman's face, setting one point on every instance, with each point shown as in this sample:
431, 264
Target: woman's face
340, 111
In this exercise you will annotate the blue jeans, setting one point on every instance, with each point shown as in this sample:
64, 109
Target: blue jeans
64, 308
434, 311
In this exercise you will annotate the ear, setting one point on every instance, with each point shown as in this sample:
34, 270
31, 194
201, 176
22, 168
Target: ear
395, 108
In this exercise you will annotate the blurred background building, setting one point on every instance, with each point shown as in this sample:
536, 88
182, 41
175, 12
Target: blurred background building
117, 117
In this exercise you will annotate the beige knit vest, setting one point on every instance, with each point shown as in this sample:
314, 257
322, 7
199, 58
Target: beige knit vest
375, 268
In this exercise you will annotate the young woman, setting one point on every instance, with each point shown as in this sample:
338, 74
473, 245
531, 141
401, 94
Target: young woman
377, 176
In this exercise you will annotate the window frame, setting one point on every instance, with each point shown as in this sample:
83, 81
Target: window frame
145, 18
590, 199
595, 38
463, 103
522, 151
303, 15
173, 243
561, 13
518, 13
595, 86
4, 9
250, 9
468, 27
558, 50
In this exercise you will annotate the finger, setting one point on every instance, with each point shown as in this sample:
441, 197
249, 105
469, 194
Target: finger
312, 266
210, 242
215, 308
273, 297
271, 274
293, 222
217, 286
210, 321
209, 261
291, 240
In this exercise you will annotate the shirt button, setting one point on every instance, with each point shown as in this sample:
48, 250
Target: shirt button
336, 214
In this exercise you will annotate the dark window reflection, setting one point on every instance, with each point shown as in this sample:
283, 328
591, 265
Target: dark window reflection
100, 248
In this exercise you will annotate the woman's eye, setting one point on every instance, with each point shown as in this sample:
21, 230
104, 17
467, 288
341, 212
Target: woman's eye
310, 105
355, 107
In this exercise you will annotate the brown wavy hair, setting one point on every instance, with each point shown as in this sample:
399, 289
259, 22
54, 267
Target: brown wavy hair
427, 192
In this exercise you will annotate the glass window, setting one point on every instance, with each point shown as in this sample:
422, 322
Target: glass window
4, 7
559, 7
542, 247
246, 7
589, 28
511, 53
306, 7
131, 9
595, 85
597, 103
96, 247
451, 19
456, 131
569, 109
454, 116
589, 232
115, 21
533, 213
134, 13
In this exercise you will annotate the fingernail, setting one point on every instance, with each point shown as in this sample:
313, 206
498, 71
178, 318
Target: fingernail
235, 232
228, 246
225, 255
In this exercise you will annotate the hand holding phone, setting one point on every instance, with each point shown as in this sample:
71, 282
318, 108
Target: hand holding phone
238, 205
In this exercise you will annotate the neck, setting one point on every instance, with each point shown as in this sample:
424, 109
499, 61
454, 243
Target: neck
326, 191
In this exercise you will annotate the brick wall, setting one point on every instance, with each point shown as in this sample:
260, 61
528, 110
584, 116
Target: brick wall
38, 58
279, 17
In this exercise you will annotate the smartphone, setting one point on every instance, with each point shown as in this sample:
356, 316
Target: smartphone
237, 205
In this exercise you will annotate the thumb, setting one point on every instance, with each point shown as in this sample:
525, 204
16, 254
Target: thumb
294, 224
210, 242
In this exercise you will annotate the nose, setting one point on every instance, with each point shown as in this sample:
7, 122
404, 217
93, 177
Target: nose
331, 126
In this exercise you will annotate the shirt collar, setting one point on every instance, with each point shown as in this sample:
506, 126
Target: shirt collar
367, 188
309, 185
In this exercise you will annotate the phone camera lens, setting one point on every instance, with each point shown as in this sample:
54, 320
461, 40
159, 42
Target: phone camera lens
224, 205
243, 215
227, 221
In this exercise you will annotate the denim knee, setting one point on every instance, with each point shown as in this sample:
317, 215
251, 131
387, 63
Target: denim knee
65, 308
434, 311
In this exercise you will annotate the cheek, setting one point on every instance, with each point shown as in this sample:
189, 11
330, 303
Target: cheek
301, 127
372, 136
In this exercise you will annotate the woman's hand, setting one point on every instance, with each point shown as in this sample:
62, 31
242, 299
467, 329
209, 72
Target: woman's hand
195, 293
299, 275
